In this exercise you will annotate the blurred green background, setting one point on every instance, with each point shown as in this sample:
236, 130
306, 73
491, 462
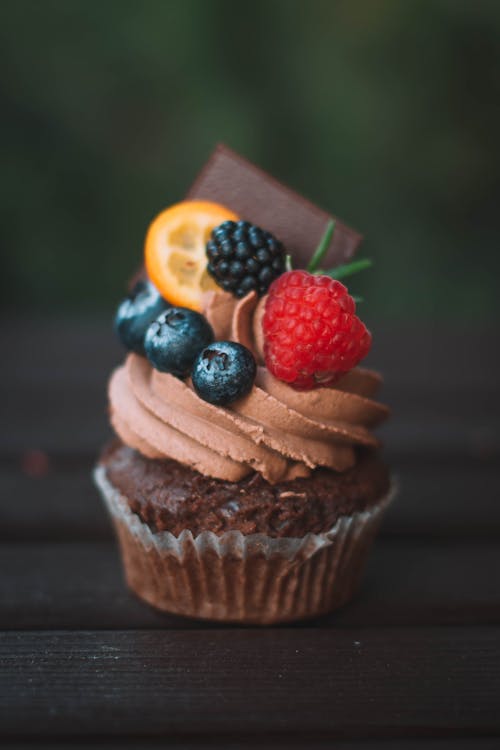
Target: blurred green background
386, 112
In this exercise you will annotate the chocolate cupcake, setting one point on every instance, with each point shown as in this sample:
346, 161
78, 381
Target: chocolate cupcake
242, 494
246, 551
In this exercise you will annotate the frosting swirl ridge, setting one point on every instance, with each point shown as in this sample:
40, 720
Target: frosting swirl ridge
274, 430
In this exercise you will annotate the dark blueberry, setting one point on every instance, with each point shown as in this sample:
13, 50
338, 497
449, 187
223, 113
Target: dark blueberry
263, 256
252, 265
236, 269
229, 285
175, 338
223, 372
136, 313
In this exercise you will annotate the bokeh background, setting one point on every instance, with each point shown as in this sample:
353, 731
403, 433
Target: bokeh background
382, 111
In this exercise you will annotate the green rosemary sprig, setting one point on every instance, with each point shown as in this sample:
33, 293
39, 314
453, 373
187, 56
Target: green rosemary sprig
348, 269
323, 246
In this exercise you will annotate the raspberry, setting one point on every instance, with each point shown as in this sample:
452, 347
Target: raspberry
312, 335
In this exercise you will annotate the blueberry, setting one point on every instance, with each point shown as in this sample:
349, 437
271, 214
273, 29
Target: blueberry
136, 313
175, 338
223, 372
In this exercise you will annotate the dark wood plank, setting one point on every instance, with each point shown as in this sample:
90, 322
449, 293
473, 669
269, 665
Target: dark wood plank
60, 505
278, 742
445, 497
408, 583
436, 498
334, 682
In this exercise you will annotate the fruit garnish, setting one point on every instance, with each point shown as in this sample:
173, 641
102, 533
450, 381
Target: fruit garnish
338, 272
173, 341
136, 313
223, 372
243, 257
175, 250
312, 335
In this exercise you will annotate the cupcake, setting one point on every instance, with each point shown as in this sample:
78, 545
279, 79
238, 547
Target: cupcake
244, 483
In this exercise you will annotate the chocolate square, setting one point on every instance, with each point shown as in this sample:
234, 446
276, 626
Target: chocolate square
254, 195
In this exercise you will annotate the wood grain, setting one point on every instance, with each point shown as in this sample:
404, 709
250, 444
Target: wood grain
202, 682
278, 741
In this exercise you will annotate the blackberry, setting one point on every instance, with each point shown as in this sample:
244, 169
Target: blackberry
243, 257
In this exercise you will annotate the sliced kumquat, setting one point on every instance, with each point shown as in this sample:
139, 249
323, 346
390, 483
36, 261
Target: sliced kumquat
175, 256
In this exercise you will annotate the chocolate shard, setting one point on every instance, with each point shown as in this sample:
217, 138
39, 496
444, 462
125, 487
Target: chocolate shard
254, 195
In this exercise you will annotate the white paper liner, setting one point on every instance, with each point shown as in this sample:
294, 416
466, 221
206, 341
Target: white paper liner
252, 578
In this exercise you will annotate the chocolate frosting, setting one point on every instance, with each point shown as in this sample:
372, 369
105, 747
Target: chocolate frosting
274, 430
280, 433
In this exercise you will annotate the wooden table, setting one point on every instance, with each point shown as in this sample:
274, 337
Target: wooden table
414, 661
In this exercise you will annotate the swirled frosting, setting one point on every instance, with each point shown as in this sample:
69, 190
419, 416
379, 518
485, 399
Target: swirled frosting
275, 430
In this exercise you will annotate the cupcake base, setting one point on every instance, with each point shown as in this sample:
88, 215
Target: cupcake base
242, 578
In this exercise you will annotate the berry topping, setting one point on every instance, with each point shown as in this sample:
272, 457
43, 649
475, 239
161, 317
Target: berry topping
242, 257
175, 338
175, 250
224, 372
312, 335
136, 313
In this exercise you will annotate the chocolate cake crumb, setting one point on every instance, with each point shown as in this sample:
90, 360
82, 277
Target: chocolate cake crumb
169, 496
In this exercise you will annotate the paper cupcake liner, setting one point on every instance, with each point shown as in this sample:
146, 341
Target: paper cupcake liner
233, 577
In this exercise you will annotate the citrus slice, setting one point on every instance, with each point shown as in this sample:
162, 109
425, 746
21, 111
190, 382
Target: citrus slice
175, 250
